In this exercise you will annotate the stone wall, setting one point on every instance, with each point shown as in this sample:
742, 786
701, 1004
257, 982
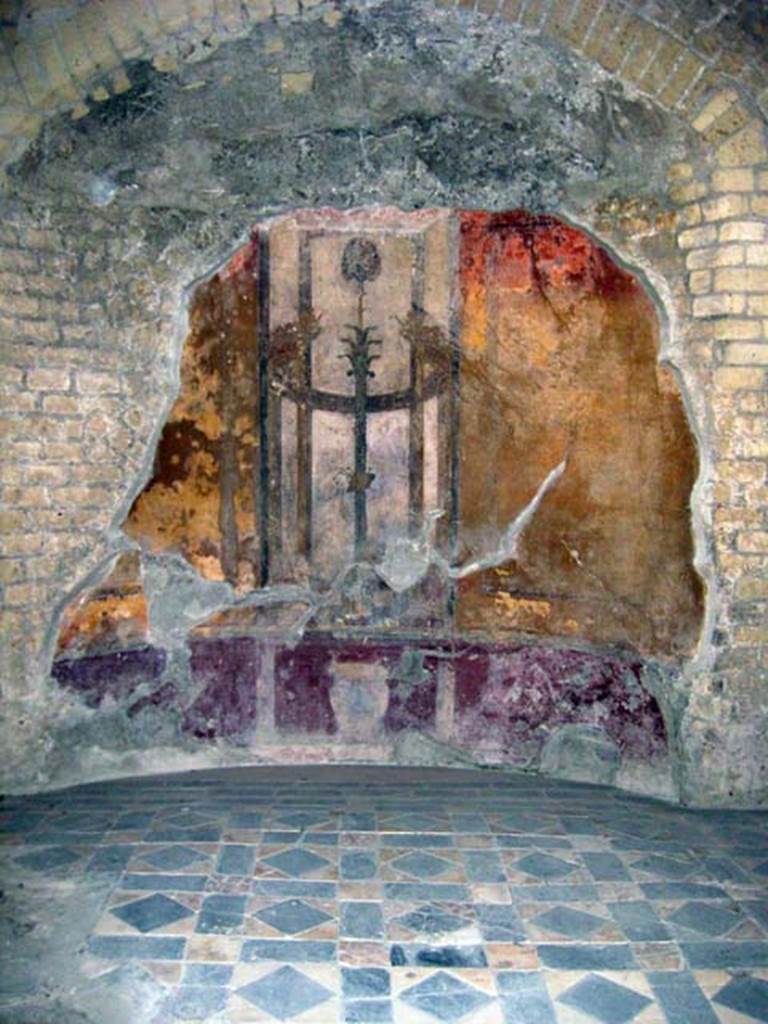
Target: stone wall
138, 158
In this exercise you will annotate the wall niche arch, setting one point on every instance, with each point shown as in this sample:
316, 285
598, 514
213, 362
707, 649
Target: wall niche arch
424, 475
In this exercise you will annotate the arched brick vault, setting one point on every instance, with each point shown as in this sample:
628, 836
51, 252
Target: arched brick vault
708, 70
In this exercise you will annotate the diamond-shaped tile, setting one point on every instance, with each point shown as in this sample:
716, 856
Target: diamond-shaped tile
296, 862
746, 995
705, 918
285, 993
48, 860
576, 924
445, 997
292, 916
604, 1000
544, 865
431, 921
421, 865
151, 912
665, 867
171, 858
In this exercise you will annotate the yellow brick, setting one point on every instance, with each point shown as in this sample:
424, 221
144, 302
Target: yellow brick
718, 305
716, 106
534, 12
510, 9
257, 10
753, 541
647, 41
679, 172
757, 255
735, 180
689, 192
751, 636
76, 51
744, 354
583, 19
744, 148
744, 231
661, 66
173, 15
48, 380
733, 329
59, 81
759, 206
737, 378
762, 181
699, 282
726, 125
725, 206
716, 256
753, 588
747, 279
695, 238
682, 78
757, 305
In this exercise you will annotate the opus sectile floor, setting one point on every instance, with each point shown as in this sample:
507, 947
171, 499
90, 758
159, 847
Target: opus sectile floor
362, 895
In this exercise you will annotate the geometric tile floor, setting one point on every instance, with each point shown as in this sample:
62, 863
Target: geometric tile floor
400, 895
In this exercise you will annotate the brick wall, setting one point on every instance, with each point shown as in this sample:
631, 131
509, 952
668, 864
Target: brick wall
78, 414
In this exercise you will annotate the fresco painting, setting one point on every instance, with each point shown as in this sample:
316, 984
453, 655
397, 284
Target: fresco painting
435, 474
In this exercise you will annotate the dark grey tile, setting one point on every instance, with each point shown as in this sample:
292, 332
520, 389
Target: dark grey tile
432, 921
358, 865
483, 866
639, 921
151, 912
522, 842
682, 891
221, 914
556, 893
171, 858
297, 862
709, 919
704, 955
407, 891
236, 859
51, 859
136, 947
499, 922
604, 1000
361, 920
364, 982
575, 924
421, 865
246, 819
680, 998
279, 887
445, 997
292, 916
524, 998
746, 995
414, 955
578, 957
418, 840
605, 867
168, 883
368, 1011
183, 835
358, 821
285, 993
288, 950
665, 867
545, 866
110, 859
